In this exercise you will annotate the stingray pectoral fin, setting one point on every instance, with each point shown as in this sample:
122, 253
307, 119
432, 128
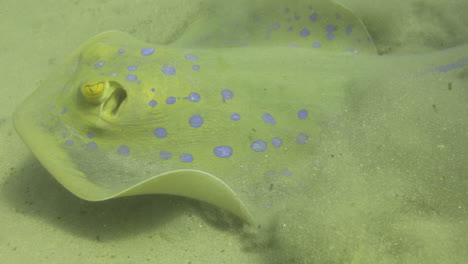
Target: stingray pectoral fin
70, 173
318, 25
193, 184
53, 156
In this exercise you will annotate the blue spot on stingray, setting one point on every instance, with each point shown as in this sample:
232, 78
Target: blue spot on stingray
227, 94
131, 77
277, 142
123, 150
223, 151
69, 142
196, 67
313, 17
165, 155
160, 132
186, 157
302, 138
89, 135
191, 57
170, 100
152, 103
296, 16
120, 51
452, 66
349, 29
131, 68
337, 16
276, 25
64, 135
64, 110
194, 97
52, 107
316, 45
235, 116
168, 69
92, 145
330, 28
99, 65
268, 119
147, 51
330, 36
286, 10
290, 28
286, 172
259, 146
196, 121
305, 32
302, 114
153, 90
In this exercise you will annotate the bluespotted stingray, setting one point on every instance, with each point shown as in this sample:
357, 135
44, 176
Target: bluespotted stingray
239, 99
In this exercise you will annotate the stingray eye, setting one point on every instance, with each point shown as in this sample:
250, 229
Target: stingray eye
93, 93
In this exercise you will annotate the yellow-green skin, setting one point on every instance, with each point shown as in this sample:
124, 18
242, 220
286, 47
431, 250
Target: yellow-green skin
94, 123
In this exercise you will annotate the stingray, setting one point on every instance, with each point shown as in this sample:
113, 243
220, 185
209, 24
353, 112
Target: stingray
231, 110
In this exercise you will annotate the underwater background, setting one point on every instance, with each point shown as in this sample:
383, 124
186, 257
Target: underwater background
41, 222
